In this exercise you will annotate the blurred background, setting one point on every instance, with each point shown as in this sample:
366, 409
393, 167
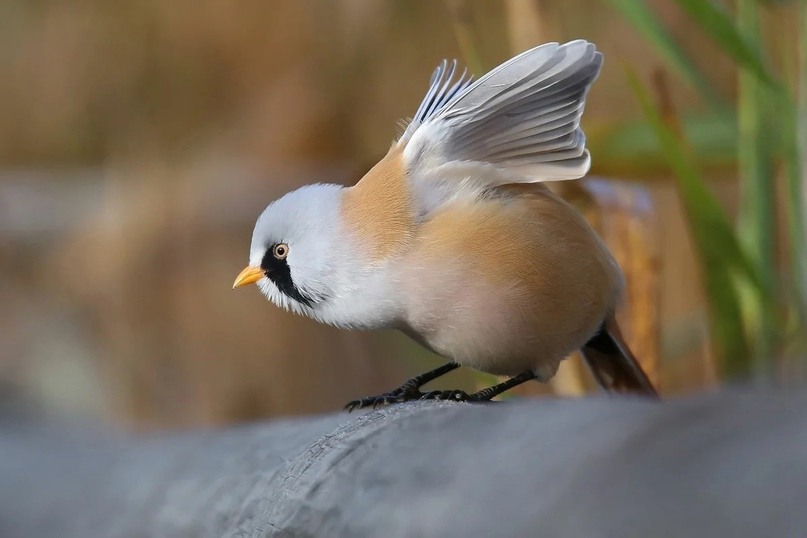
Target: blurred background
139, 141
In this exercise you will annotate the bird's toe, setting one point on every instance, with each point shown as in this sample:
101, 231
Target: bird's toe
453, 395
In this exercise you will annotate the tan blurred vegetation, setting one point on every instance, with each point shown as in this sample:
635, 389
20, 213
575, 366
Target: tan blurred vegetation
139, 141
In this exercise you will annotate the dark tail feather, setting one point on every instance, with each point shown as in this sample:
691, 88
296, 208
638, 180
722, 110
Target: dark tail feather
614, 367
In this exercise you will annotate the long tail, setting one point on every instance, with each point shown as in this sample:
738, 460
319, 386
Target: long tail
614, 367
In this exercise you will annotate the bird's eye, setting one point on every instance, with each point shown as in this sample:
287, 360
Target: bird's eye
280, 251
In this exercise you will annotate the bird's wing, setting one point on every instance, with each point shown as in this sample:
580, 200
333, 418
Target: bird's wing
519, 123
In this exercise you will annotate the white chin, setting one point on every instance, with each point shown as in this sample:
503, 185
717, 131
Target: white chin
282, 300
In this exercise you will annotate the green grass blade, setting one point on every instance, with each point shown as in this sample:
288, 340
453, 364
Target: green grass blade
646, 23
796, 175
722, 260
713, 136
795, 207
756, 225
719, 26
795, 133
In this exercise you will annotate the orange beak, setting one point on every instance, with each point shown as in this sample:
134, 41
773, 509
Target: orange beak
248, 276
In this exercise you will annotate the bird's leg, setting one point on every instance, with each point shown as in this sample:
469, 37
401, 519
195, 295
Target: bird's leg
409, 390
486, 394
483, 395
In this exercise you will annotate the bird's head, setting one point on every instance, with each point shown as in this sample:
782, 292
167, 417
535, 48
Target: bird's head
299, 252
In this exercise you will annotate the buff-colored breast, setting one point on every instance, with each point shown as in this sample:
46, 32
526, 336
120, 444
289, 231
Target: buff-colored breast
508, 284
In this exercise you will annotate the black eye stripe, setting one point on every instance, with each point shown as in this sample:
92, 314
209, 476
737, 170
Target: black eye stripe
278, 271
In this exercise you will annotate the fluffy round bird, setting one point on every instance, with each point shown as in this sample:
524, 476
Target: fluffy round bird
454, 239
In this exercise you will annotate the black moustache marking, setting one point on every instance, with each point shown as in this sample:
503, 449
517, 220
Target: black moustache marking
278, 271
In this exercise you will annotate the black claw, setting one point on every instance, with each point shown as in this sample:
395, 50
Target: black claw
454, 395
402, 394
410, 390
406, 394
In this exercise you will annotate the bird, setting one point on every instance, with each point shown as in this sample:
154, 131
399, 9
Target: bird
455, 239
